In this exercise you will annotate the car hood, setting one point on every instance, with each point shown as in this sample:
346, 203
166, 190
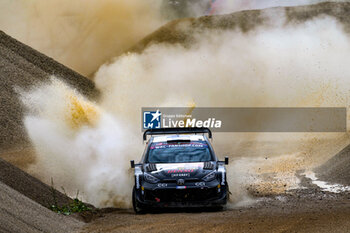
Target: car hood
180, 171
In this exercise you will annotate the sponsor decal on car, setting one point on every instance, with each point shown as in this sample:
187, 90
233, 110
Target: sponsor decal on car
179, 170
181, 175
179, 167
163, 145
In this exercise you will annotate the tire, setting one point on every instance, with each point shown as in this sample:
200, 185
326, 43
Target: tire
136, 204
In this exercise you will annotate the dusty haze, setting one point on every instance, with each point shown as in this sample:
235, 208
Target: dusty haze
81, 34
301, 65
84, 34
273, 65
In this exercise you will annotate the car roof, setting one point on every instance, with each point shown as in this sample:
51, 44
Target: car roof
191, 137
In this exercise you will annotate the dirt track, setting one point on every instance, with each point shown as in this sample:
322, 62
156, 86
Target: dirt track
243, 220
301, 210
308, 210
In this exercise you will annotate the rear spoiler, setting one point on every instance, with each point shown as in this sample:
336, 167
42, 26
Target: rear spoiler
176, 131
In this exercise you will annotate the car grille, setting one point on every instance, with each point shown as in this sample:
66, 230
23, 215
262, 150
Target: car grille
175, 180
181, 195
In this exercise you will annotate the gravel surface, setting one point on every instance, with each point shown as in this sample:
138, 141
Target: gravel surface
21, 214
305, 210
337, 169
29, 186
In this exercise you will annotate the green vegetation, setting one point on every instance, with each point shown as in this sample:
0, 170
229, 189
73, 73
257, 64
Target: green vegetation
76, 206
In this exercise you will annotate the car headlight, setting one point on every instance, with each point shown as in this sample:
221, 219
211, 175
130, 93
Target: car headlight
149, 178
211, 176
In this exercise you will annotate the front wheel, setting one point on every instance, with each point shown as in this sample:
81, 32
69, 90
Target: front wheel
135, 203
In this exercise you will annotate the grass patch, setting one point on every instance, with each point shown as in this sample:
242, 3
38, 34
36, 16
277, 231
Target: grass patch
76, 206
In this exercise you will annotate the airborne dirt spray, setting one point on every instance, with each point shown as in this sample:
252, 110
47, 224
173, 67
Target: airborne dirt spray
304, 65
79, 145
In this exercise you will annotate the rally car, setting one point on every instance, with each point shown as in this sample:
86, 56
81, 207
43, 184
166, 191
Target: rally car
179, 169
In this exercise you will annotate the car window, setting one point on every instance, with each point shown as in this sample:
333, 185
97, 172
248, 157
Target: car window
179, 152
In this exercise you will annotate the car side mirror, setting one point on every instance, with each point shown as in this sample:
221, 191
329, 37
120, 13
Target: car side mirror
226, 160
132, 163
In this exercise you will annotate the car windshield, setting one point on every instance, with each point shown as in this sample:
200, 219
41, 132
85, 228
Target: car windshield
179, 152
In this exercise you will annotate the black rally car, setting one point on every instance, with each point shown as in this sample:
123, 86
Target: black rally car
179, 169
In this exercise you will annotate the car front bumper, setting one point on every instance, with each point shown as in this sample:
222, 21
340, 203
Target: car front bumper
190, 195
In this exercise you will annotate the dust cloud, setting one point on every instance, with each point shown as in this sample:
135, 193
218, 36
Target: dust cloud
79, 145
276, 65
84, 34
81, 34
303, 65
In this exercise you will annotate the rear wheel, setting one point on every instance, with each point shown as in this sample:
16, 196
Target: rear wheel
135, 203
